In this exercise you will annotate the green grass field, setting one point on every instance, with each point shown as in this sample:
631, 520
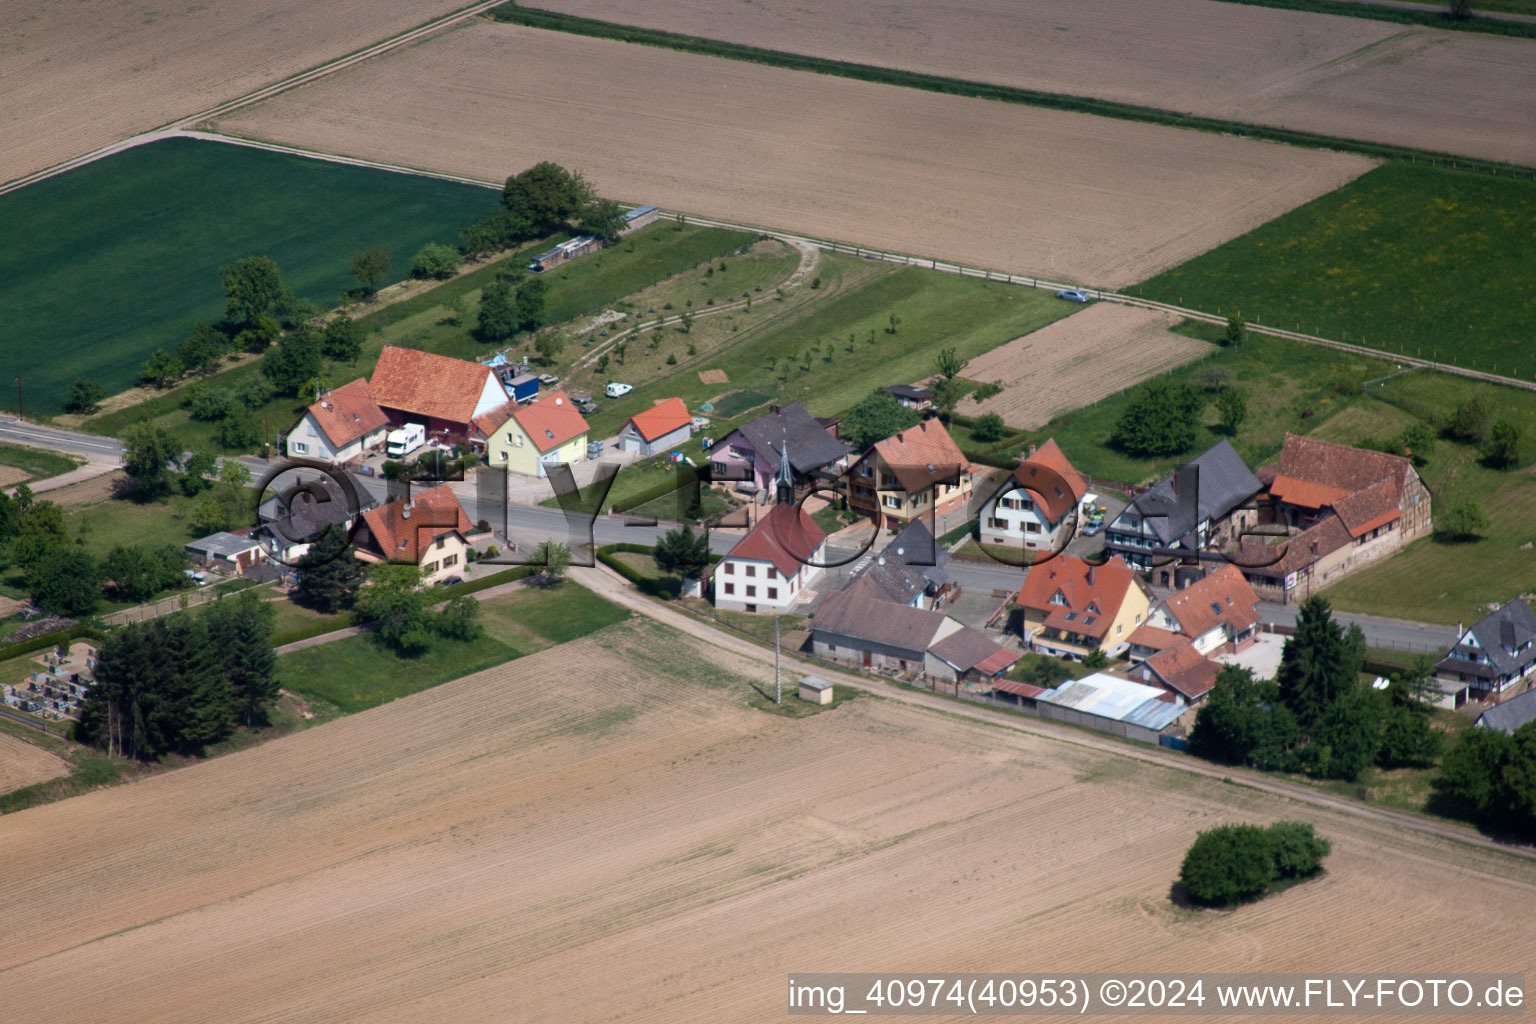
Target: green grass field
1407, 258
357, 672
115, 259
423, 322
36, 463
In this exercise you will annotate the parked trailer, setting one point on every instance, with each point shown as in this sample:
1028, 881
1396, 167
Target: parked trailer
400, 443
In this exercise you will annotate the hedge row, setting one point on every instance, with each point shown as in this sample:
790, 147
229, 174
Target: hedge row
656, 490
58, 636
605, 555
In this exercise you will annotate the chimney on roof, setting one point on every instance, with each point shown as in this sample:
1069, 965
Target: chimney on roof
898, 438
1031, 452
1090, 574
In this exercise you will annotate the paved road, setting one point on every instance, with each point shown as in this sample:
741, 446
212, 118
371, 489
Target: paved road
88, 446
611, 586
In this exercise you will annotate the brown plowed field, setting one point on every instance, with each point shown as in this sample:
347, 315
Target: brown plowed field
604, 831
1346, 77
1067, 364
22, 764
992, 184
78, 76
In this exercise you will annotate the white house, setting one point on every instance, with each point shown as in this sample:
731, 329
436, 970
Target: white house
771, 567
342, 425
1218, 613
1030, 506
658, 429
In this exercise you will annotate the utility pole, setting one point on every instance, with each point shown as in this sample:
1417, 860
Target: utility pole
778, 689
21, 409
266, 439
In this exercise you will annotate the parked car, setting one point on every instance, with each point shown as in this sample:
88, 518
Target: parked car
585, 404
1073, 295
1093, 528
449, 581
617, 390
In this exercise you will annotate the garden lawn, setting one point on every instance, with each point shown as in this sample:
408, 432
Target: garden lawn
116, 521
115, 259
357, 672
36, 463
1407, 258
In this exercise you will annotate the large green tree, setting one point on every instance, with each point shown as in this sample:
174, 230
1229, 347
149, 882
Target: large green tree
137, 571
85, 396
65, 581
240, 634
1162, 418
148, 451
329, 575
343, 339
681, 550
546, 196
1502, 449
394, 599
253, 288
294, 364
876, 417
498, 313
1318, 665
371, 268
1229, 864
532, 303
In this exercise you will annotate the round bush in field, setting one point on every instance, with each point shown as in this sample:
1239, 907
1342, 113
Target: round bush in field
1233, 864
435, 261
1229, 864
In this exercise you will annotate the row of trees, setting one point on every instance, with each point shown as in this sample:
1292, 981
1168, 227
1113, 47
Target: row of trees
1491, 776
543, 199
179, 683
1316, 716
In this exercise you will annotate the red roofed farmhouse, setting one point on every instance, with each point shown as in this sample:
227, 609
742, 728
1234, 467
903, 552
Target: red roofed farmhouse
342, 425
770, 568
1346, 508
429, 530
1218, 614
443, 394
658, 429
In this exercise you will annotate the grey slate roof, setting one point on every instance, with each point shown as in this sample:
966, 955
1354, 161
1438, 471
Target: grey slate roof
1510, 715
1224, 482
857, 616
916, 546
1498, 633
967, 648
891, 577
810, 446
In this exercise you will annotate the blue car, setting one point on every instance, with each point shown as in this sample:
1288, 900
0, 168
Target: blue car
1073, 295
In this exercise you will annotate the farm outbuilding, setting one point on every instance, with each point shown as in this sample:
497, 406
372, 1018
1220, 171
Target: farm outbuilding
660, 428
231, 552
815, 690
638, 218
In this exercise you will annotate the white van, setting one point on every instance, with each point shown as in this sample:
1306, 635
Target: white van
400, 443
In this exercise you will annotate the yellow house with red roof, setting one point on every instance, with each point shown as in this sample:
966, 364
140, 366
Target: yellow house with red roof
429, 529
912, 474
547, 432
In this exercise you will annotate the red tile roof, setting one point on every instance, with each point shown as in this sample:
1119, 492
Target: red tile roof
403, 537
922, 456
1370, 507
786, 537
1338, 466
661, 419
1148, 635
1081, 585
1184, 669
425, 384
551, 421
1326, 535
348, 413
1021, 689
1222, 596
1057, 502
487, 423
1305, 493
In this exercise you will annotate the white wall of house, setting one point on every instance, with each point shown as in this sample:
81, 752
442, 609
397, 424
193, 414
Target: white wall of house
306, 440
1015, 518
757, 586
631, 441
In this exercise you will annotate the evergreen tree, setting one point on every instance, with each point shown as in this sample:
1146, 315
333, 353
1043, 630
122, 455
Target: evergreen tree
1318, 664
240, 630
1346, 736
682, 550
329, 575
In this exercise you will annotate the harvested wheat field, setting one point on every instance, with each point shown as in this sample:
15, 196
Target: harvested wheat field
78, 76
1455, 92
992, 184
1068, 364
22, 764
605, 831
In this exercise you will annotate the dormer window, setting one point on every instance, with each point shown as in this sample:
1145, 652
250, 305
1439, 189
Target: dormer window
1059, 598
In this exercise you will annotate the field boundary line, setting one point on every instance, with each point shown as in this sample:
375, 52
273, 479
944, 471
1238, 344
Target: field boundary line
172, 129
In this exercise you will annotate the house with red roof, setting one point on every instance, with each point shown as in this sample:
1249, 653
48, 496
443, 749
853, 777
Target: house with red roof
1028, 508
444, 395
772, 567
1071, 606
1181, 670
913, 474
1343, 508
429, 529
343, 424
531, 438
658, 429
857, 627
1218, 614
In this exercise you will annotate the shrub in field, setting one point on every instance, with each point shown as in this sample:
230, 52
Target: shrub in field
989, 426
1233, 864
435, 261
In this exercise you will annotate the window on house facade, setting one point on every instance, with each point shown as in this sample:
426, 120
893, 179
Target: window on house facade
450, 560
773, 593
730, 588
997, 524
892, 502
751, 591
1031, 527
1059, 598
771, 573
429, 568
751, 570
298, 446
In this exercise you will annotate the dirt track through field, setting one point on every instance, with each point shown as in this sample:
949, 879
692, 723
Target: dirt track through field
1068, 364
22, 764
76, 77
991, 184
1457, 92
604, 831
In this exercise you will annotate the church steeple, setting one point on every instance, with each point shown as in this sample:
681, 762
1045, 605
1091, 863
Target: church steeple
785, 480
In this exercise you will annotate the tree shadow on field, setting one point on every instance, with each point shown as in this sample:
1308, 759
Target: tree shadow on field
1179, 896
